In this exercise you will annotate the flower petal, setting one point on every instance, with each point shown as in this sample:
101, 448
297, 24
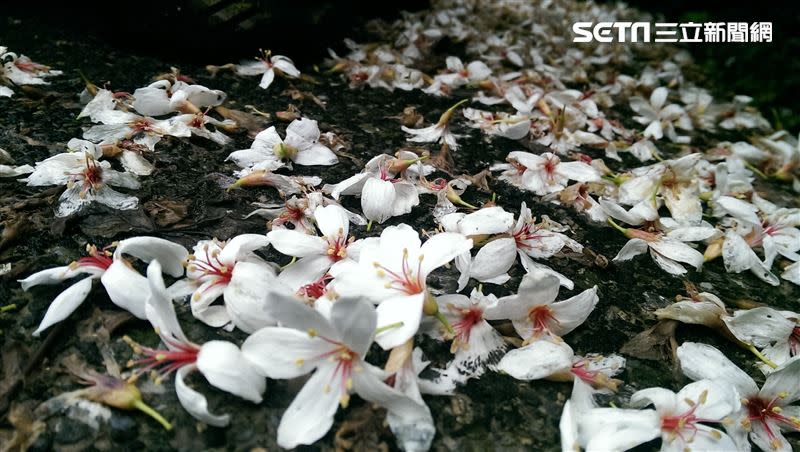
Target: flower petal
702, 361
332, 220
441, 249
538, 360
572, 312
126, 287
406, 309
296, 243
377, 199
310, 415
170, 255
284, 352
355, 320
196, 403
65, 304
225, 367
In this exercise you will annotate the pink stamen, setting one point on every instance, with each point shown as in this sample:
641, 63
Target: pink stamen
406, 281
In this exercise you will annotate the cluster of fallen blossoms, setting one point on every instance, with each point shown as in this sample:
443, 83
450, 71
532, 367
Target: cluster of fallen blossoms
343, 295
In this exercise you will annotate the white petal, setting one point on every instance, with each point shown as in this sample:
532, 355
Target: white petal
194, 402
633, 248
332, 220
377, 199
65, 304
292, 313
316, 155
782, 384
241, 245
614, 429
355, 320
538, 360
702, 361
126, 287
760, 326
537, 288
53, 275
284, 352
678, 251
404, 308
170, 255
247, 293
159, 309
494, 259
225, 367
572, 312
305, 271
296, 243
310, 415
441, 249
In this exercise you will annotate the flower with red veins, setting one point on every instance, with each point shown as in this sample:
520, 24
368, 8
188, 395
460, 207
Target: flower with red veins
334, 349
197, 122
213, 269
496, 254
544, 174
87, 178
301, 146
501, 124
776, 333
679, 419
215, 360
163, 97
555, 360
392, 271
666, 241
534, 312
116, 125
439, 132
764, 413
385, 185
476, 345
125, 286
541, 240
317, 255
20, 70
269, 65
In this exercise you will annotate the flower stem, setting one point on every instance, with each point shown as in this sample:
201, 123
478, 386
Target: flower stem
369, 226
390, 326
760, 356
448, 115
294, 259
143, 407
616, 226
8, 307
755, 170
441, 318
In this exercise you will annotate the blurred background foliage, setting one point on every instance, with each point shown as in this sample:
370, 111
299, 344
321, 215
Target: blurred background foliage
222, 31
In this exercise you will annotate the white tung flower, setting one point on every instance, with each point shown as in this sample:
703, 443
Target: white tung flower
301, 146
334, 349
125, 286
220, 362
87, 179
268, 65
764, 412
392, 272
544, 174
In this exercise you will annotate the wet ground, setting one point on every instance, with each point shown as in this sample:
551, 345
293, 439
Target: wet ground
182, 201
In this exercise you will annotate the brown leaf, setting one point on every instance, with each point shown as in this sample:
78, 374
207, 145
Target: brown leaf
360, 431
26, 428
167, 212
656, 343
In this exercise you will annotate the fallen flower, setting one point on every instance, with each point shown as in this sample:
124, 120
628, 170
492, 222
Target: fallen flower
334, 349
